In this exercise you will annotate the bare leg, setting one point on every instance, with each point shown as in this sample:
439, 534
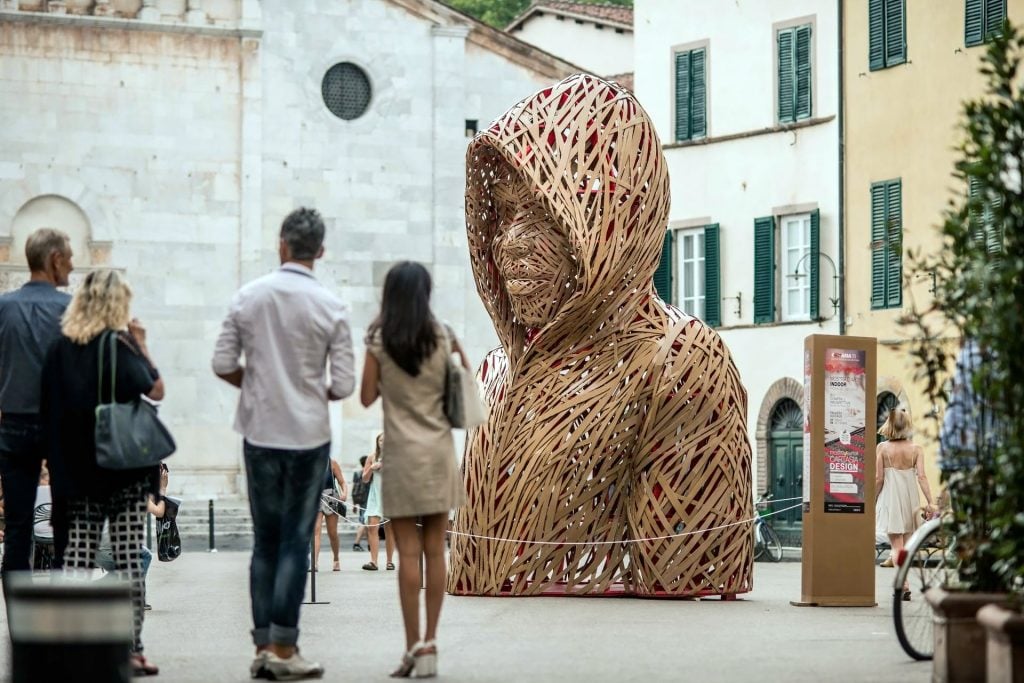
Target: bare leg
896, 543
317, 529
332, 535
407, 536
434, 528
373, 538
360, 532
389, 543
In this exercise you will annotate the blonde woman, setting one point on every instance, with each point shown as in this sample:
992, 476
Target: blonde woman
71, 388
899, 470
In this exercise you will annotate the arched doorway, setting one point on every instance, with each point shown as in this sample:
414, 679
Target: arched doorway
786, 467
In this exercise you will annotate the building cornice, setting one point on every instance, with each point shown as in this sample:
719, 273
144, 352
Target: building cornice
489, 38
117, 23
530, 11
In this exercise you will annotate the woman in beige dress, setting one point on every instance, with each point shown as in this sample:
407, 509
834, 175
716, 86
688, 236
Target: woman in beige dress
406, 361
899, 470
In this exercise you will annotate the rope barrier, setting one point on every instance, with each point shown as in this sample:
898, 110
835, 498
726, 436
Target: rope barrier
497, 539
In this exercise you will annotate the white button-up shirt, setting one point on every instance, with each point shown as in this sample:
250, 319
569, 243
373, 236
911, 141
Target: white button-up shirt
288, 326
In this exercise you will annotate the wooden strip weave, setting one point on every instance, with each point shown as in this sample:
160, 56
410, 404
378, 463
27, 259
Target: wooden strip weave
612, 415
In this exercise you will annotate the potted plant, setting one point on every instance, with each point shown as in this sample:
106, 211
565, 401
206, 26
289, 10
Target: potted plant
979, 300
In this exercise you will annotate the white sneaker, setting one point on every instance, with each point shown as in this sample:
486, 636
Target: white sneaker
293, 668
258, 668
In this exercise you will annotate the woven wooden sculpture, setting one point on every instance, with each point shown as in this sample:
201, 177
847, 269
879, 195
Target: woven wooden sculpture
612, 415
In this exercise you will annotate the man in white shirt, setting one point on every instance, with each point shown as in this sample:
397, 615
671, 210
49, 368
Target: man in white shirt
297, 344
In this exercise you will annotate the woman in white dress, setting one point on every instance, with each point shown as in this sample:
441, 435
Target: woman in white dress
899, 470
372, 475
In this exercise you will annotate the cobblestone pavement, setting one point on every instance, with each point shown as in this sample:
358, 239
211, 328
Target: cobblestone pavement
198, 631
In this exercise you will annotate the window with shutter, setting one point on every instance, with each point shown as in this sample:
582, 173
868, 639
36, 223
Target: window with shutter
886, 244
663, 275
712, 277
691, 95
689, 271
983, 20
794, 74
795, 261
894, 244
983, 214
895, 32
764, 269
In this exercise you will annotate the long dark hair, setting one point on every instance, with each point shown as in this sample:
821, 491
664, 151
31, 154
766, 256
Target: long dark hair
405, 322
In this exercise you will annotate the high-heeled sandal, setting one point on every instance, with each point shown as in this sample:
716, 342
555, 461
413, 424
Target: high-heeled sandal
425, 655
407, 666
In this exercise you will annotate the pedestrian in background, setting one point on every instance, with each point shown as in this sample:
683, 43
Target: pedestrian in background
899, 470
71, 391
29, 324
332, 508
407, 352
360, 492
290, 329
373, 476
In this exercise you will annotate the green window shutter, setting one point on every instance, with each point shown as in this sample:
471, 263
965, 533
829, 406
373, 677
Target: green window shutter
815, 260
974, 22
698, 94
894, 244
663, 275
878, 244
975, 211
712, 281
683, 96
803, 73
876, 34
895, 32
787, 86
764, 269
995, 14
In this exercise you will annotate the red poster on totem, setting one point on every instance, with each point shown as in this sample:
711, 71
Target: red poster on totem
845, 419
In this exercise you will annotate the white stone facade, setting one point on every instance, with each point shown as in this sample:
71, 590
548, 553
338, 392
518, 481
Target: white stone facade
749, 166
185, 131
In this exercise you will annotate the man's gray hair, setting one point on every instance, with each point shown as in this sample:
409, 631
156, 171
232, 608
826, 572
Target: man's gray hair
43, 242
303, 232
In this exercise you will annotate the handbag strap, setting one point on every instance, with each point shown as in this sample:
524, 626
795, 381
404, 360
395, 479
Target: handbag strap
112, 337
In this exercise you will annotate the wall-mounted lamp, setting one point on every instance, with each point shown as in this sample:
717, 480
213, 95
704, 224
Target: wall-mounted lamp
836, 278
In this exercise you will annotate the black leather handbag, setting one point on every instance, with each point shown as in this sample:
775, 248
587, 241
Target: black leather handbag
128, 435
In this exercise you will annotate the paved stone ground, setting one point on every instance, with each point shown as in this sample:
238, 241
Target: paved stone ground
198, 631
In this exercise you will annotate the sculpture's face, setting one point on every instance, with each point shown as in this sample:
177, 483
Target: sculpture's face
531, 252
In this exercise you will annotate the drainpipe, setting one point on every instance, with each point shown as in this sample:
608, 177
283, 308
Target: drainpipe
842, 177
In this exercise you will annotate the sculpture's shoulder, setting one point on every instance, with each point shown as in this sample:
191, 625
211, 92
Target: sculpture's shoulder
492, 373
692, 355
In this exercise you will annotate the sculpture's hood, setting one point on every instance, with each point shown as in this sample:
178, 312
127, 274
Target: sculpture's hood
592, 157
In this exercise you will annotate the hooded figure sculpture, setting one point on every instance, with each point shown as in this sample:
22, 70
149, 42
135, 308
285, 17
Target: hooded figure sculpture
615, 457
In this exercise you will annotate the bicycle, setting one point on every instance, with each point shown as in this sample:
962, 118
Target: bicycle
924, 563
766, 541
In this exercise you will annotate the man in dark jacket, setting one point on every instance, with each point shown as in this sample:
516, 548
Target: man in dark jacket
29, 323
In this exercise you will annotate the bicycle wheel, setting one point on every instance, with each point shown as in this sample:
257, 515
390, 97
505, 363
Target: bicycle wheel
925, 566
772, 543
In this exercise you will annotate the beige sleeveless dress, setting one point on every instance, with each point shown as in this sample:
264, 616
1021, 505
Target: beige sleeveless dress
421, 476
900, 498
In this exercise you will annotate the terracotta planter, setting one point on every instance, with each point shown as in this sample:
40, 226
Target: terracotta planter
1005, 649
959, 638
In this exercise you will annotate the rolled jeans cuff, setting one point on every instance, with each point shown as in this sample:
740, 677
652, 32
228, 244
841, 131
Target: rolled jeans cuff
284, 635
261, 636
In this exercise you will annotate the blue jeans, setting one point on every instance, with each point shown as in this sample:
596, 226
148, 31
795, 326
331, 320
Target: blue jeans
21, 454
284, 496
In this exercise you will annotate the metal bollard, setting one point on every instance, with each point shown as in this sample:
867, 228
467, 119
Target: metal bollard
149, 530
213, 545
56, 626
